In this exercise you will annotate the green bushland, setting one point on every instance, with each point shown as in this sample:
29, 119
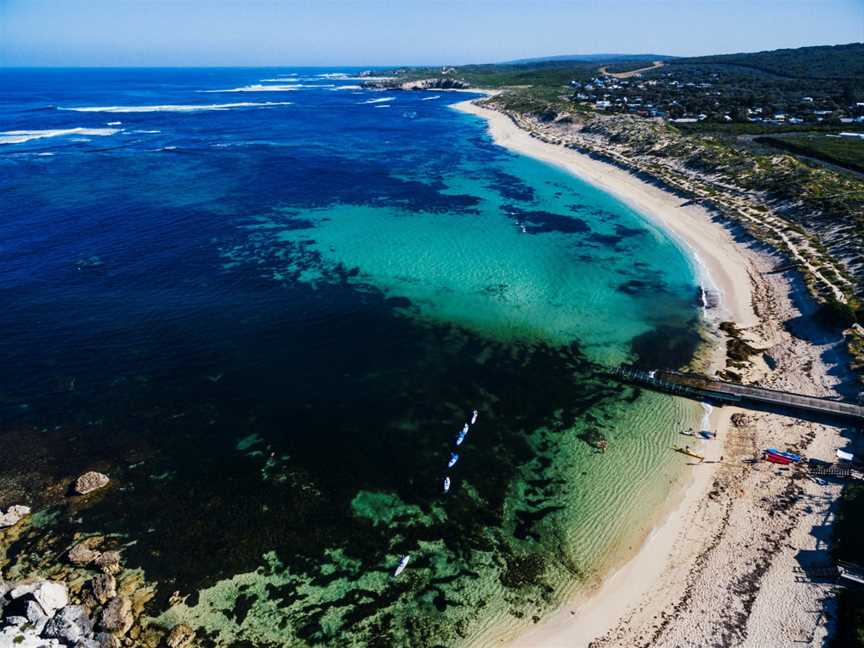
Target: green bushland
819, 62
845, 152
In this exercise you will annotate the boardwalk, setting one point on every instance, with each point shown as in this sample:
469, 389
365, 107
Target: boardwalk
700, 388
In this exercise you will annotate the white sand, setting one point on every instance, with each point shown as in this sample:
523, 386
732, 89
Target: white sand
737, 525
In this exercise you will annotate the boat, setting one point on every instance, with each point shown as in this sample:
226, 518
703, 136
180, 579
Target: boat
789, 455
473, 417
446, 484
687, 451
462, 435
453, 459
402, 565
777, 459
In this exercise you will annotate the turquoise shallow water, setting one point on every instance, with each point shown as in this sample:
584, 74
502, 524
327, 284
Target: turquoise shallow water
570, 263
269, 319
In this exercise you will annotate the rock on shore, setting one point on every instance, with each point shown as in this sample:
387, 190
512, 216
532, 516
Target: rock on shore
37, 614
13, 515
90, 481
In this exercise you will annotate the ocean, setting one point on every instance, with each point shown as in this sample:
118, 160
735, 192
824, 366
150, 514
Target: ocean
266, 301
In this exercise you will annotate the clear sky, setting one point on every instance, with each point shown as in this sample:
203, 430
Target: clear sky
392, 32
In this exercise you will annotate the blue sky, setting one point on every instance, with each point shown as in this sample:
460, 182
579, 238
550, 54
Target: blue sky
382, 32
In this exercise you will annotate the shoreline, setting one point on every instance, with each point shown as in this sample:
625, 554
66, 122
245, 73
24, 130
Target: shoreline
698, 237
633, 595
607, 598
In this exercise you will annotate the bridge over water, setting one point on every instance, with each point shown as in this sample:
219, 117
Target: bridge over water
706, 389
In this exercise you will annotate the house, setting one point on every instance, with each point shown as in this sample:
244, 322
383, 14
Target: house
807, 99
603, 104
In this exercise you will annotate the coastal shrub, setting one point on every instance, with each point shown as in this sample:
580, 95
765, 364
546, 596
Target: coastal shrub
836, 314
850, 621
849, 545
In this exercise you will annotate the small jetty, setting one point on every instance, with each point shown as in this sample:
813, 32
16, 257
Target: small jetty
706, 389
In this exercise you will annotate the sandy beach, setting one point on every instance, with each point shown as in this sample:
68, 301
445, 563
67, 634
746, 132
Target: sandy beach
729, 555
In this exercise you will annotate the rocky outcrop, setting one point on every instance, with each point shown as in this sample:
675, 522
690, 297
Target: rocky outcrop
13, 515
181, 637
103, 588
438, 83
50, 596
81, 554
109, 561
107, 640
90, 481
117, 616
37, 613
92, 602
69, 625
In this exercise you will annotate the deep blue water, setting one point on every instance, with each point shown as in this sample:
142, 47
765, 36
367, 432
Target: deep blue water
254, 316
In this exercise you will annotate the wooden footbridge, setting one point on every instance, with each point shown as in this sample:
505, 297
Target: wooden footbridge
705, 389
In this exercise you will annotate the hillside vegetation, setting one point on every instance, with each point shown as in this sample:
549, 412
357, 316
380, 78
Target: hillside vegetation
820, 62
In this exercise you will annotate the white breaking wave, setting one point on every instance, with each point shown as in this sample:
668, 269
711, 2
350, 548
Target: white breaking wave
178, 108
382, 106
348, 87
374, 101
114, 123
290, 85
21, 136
430, 98
258, 87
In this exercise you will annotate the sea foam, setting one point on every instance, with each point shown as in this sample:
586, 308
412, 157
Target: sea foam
177, 107
258, 87
340, 76
21, 136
